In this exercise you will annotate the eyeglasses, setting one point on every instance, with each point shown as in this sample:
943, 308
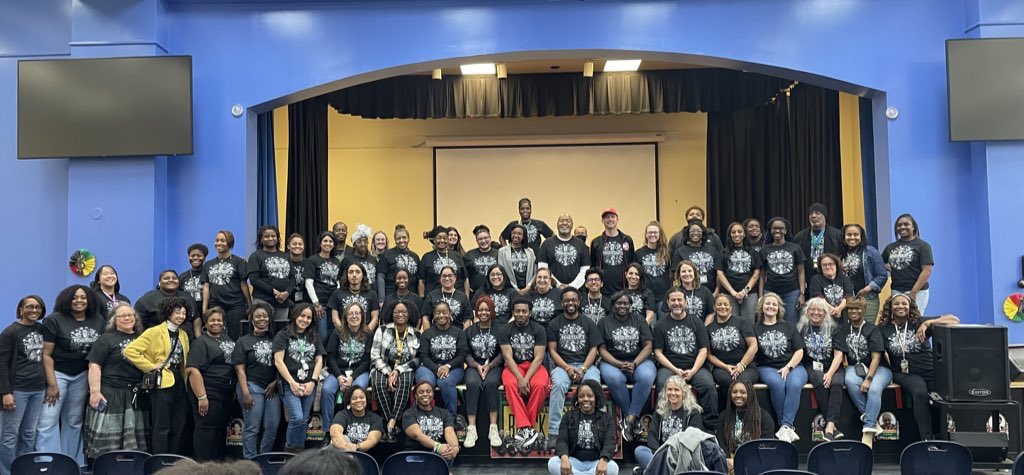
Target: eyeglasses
125, 315
32, 307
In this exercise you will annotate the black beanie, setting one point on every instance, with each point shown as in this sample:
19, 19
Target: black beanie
819, 208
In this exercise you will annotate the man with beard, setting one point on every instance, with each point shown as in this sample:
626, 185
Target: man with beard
611, 252
566, 256
479, 261
522, 346
572, 344
818, 238
340, 230
681, 348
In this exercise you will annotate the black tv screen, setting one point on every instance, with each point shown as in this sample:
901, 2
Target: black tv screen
105, 107
986, 89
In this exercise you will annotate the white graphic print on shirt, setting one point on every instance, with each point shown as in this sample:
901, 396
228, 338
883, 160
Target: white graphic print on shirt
651, 267
301, 351
263, 351
705, 262
442, 262
227, 347
362, 301
500, 303
405, 261
522, 346
193, 287
124, 344
357, 432
858, 345
819, 345
176, 356
851, 263
442, 347
585, 438
725, 339
773, 343
613, 253
565, 254
483, 345
277, 267
32, 346
453, 304
901, 257
543, 309
636, 304
833, 293
906, 338
519, 260
626, 339
681, 340
329, 271
670, 426
220, 272
593, 310
694, 305
431, 426
572, 338
351, 350
483, 264
82, 339
739, 262
531, 232
780, 262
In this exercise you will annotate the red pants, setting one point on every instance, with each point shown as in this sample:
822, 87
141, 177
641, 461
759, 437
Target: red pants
526, 414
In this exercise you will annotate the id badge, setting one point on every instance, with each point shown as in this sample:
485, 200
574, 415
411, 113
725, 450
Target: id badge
703, 279
814, 262
818, 366
904, 366
348, 373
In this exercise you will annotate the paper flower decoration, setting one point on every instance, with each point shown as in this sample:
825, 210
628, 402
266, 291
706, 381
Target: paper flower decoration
82, 262
1012, 307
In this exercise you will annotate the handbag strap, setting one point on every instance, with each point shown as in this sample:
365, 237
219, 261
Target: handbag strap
174, 344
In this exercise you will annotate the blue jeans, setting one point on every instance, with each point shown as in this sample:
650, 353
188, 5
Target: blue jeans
785, 395
643, 456
580, 467
789, 300
746, 308
560, 384
329, 394
642, 378
19, 427
266, 414
60, 425
449, 393
871, 403
298, 409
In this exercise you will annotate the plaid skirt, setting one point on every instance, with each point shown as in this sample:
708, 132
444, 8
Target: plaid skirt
119, 427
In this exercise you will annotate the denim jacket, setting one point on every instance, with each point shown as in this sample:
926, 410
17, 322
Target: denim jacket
875, 273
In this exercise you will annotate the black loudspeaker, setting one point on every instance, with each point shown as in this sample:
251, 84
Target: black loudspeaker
971, 363
984, 446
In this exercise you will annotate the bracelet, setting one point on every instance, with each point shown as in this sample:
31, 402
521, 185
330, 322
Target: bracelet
869, 377
201, 398
437, 447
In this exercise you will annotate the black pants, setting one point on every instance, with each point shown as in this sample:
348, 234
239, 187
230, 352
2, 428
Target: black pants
723, 379
488, 387
209, 435
233, 317
830, 400
168, 411
704, 384
918, 387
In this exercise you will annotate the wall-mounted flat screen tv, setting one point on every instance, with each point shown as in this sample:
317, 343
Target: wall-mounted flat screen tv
986, 88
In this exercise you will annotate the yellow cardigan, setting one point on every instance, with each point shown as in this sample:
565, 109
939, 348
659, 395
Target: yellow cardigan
152, 348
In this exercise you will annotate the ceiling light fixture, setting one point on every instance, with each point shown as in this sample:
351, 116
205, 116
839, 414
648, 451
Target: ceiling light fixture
615, 65
502, 71
436, 74
588, 69
480, 68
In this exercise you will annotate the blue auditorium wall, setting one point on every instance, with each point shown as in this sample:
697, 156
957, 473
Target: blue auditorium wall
256, 53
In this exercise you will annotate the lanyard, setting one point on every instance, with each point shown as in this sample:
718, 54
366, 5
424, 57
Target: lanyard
399, 343
855, 344
903, 337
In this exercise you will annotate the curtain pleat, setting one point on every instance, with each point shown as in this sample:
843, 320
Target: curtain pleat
306, 208
266, 172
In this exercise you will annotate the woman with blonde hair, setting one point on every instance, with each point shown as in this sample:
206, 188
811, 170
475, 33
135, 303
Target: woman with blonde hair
780, 348
676, 410
823, 361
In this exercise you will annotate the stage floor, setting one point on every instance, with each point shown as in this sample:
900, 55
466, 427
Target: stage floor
538, 467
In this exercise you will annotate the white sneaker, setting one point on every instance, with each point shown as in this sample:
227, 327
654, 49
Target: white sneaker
494, 436
873, 430
781, 434
793, 436
470, 437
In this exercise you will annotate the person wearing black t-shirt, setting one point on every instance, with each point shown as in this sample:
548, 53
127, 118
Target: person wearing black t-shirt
594, 304
22, 380
461, 313
705, 256
518, 260
442, 352
108, 289
572, 344
780, 349
68, 335
783, 267
699, 300
823, 362
732, 348
258, 391
403, 293
910, 261
348, 359
479, 260
640, 297
398, 258
296, 246
356, 429
190, 281
147, 306
361, 254
909, 353
831, 284
864, 266
429, 276
866, 373
394, 357
754, 236
483, 371
355, 288
694, 214
567, 257
523, 343
681, 349
676, 410
587, 437
534, 229
429, 427
500, 292
340, 230
270, 273
224, 284
165, 347
321, 274
656, 263
298, 357
547, 300
739, 273
625, 358
817, 239
743, 420
211, 377
611, 252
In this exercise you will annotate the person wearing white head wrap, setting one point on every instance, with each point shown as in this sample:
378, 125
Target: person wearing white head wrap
361, 255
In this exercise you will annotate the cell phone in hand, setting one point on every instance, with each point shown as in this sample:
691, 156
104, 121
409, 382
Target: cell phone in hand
102, 407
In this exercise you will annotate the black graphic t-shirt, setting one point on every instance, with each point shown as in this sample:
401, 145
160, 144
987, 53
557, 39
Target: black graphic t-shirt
680, 340
859, 343
776, 343
432, 424
443, 347
832, 290
624, 339
22, 347
677, 421
818, 346
483, 342
257, 354
396, 259
502, 301
739, 265
574, 337
906, 261
699, 302
299, 354
432, 264
728, 341
564, 258
299, 294
344, 296
108, 352
612, 255
457, 301
535, 228
640, 302
225, 278
522, 340
780, 266
519, 261
478, 263
212, 357
707, 259
325, 274
546, 306
595, 309
657, 277
853, 267
348, 354
72, 340
358, 428
191, 283
368, 262
269, 271
106, 303
587, 446
901, 343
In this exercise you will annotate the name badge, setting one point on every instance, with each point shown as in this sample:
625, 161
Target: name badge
818, 366
904, 366
703, 279
348, 373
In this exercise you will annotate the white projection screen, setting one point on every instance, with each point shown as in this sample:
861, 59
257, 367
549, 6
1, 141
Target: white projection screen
482, 185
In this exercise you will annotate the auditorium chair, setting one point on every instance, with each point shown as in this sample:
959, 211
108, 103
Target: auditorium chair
759, 456
368, 463
120, 462
936, 457
840, 457
158, 462
46, 463
271, 462
420, 463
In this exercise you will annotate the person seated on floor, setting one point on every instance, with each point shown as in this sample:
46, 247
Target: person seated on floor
586, 437
742, 420
356, 428
430, 427
676, 410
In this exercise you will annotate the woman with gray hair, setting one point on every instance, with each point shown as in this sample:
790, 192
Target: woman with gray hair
823, 362
677, 409
113, 418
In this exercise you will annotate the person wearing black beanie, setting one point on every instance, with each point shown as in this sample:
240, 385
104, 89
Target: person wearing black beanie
818, 238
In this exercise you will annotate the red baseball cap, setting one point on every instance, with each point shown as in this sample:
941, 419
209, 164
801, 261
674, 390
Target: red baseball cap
610, 210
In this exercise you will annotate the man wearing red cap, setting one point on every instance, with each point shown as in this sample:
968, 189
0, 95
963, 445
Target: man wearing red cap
611, 252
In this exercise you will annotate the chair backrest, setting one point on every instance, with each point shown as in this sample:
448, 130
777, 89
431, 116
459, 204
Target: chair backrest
120, 462
1018, 465
702, 472
840, 457
759, 456
48, 463
271, 462
420, 463
158, 462
936, 457
370, 466
787, 471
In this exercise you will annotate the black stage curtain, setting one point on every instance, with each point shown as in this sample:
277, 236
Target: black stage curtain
561, 94
776, 160
306, 205
266, 176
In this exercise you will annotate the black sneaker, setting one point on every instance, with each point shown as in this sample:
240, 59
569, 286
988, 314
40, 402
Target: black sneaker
627, 430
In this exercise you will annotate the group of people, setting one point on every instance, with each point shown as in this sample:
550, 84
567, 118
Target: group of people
540, 313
